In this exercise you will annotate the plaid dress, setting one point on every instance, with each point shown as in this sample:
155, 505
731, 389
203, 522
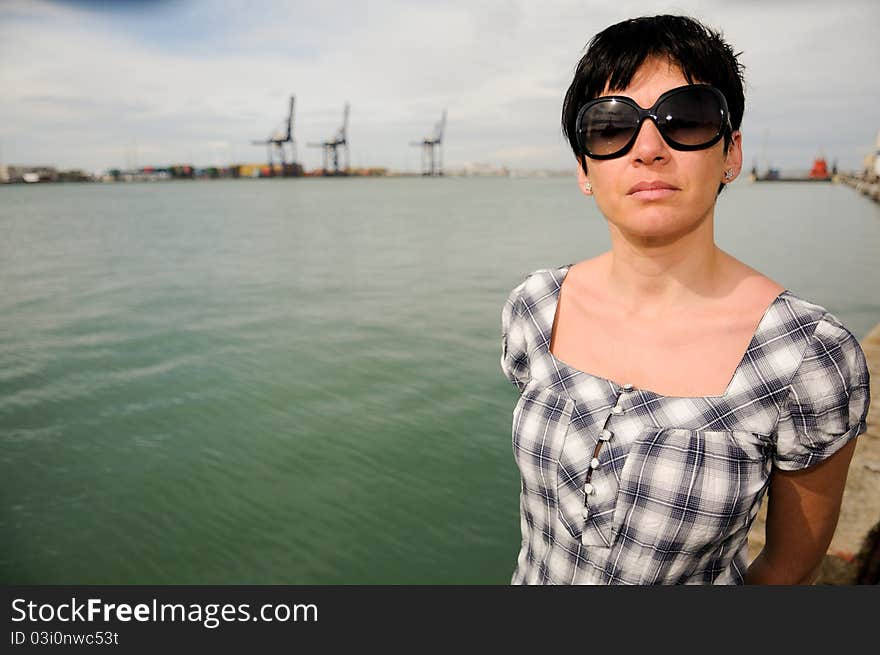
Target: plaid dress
621, 485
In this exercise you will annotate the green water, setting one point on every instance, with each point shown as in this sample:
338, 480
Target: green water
297, 381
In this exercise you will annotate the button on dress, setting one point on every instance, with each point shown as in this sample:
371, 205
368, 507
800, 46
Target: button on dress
621, 485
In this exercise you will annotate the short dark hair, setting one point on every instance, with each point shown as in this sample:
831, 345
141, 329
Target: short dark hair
614, 55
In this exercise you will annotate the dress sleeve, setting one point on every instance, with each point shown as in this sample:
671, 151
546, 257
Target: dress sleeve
514, 350
828, 399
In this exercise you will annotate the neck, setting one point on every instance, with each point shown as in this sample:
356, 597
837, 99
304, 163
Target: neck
651, 277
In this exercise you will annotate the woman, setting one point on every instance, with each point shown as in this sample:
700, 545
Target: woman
665, 385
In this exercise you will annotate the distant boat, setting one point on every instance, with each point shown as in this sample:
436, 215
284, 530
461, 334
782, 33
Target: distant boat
818, 173
819, 170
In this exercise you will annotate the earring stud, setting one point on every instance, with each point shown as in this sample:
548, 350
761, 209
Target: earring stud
588, 187
728, 174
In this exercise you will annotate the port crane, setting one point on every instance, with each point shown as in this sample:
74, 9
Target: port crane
277, 141
333, 145
431, 164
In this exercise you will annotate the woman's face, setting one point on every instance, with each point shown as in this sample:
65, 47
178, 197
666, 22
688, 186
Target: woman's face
695, 174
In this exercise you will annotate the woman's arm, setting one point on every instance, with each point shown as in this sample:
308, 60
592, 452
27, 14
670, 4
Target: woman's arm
801, 518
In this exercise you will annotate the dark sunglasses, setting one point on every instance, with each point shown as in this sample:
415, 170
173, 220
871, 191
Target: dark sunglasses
690, 117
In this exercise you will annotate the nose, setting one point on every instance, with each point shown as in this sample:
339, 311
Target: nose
649, 146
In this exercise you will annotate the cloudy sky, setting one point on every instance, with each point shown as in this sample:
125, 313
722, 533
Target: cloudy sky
111, 84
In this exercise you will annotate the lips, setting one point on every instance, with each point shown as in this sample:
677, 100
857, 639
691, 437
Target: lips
654, 185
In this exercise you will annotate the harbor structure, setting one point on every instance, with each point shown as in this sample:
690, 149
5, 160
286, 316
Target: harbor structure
432, 149
818, 173
868, 181
333, 145
872, 161
278, 141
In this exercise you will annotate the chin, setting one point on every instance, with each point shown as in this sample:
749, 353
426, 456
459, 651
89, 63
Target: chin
656, 216
658, 224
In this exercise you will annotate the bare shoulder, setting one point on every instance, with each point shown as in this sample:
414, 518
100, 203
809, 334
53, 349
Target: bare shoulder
748, 287
582, 277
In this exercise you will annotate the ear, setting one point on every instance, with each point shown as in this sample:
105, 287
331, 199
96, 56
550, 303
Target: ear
583, 179
733, 159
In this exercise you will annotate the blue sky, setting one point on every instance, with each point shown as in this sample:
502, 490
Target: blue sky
111, 84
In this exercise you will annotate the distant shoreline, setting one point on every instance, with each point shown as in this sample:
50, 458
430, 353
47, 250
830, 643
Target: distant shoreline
152, 178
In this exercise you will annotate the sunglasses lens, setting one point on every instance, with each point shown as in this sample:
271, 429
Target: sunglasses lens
692, 118
606, 127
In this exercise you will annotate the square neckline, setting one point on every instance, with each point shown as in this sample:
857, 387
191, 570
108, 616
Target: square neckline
549, 335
